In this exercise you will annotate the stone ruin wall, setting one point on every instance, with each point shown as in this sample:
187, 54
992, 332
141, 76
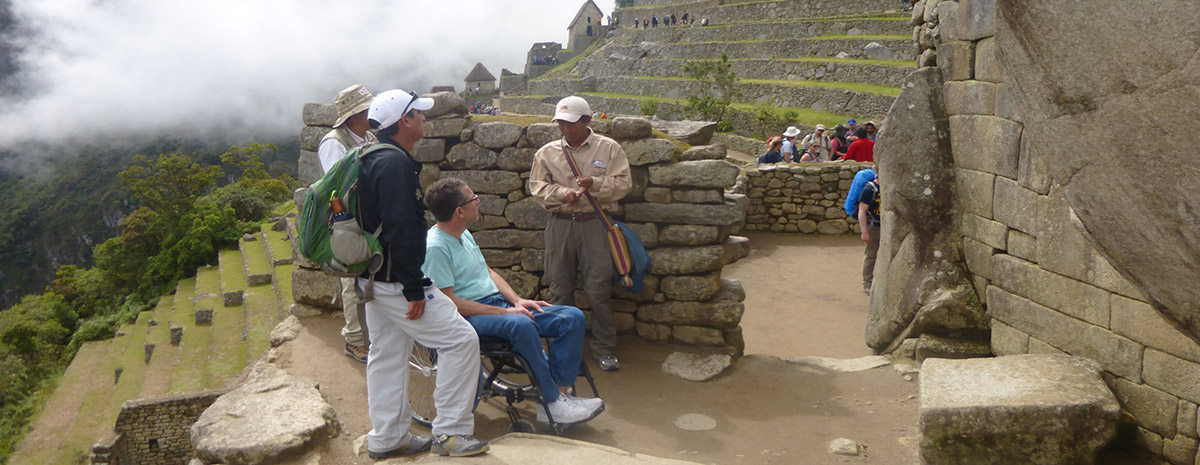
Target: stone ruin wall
154, 430
715, 9
678, 207
1047, 287
799, 198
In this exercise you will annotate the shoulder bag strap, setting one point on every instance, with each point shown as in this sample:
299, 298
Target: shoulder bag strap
608, 226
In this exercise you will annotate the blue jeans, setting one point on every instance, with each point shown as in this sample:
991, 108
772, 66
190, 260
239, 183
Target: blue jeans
565, 325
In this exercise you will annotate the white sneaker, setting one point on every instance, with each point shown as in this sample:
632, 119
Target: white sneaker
590, 403
565, 411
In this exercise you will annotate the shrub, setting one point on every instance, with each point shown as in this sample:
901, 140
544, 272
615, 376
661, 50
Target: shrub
649, 107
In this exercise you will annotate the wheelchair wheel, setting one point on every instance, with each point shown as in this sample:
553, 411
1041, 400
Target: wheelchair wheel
522, 426
510, 378
422, 376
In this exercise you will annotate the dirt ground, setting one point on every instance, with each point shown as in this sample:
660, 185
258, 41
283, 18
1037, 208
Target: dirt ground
804, 298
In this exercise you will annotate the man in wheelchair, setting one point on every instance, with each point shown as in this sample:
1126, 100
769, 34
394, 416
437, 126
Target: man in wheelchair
488, 302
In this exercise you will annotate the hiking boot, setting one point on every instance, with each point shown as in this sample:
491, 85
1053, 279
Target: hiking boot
356, 353
608, 362
459, 445
566, 411
590, 403
416, 444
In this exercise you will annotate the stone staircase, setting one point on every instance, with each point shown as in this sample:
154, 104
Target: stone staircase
167, 351
824, 60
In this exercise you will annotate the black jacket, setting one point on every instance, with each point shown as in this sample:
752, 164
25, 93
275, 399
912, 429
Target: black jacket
389, 193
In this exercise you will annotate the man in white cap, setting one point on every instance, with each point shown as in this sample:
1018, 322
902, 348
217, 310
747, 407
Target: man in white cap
349, 131
574, 234
405, 306
790, 154
817, 145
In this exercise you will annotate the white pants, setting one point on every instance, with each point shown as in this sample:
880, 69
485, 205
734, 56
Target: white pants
392, 335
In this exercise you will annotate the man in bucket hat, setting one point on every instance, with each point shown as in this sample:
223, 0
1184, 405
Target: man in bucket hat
789, 150
349, 131
406, 306
575, 236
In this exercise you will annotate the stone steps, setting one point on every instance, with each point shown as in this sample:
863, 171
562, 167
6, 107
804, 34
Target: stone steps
194, 345
163, 355
791, 28
901, 48
46, 440
262, 313
279, 245
233, 277
256, 262
850, 70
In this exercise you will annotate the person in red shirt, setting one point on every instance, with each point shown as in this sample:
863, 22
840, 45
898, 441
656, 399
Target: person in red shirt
862, 149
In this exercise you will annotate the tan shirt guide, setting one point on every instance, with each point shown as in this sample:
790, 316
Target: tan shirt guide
602, 158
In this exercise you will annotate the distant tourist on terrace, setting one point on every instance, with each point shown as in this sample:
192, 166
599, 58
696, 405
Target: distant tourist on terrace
871, 129
817, 145
772, 154
789, 151
839, 143
862, 149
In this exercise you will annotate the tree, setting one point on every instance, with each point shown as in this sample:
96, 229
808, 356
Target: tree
718, 88
168, 184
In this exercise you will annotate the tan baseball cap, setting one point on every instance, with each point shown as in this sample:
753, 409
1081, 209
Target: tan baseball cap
351, 101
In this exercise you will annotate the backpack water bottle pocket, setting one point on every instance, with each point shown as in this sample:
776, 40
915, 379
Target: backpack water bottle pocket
351, 251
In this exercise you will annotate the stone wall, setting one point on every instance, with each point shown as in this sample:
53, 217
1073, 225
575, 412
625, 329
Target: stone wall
604, 66
1069, 243
751, 11
798, 27
799, 197
154, 430
852, 47
678, 207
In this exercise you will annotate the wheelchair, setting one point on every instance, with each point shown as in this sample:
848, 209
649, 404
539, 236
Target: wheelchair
504, 374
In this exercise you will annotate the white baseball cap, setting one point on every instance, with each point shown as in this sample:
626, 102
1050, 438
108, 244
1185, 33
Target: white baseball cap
570, 109
388, 107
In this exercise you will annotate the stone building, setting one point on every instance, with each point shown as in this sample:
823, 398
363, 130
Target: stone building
480, 81
585, 27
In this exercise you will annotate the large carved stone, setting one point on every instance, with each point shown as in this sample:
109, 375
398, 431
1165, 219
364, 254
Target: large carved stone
678, 260
446, 103
272, 414
430, 150
514, 159
487, 182
316, 288
692, 132
722, 315
647, 151
920, 283
319, 114
539, 134
1135, 209
684, 213
527, 213
629, 128
470, 156
700, 173
496, 135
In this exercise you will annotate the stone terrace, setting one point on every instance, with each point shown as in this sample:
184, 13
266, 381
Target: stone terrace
806, 56
169, 353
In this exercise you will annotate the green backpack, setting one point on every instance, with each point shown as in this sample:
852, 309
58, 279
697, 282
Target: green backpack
337, 243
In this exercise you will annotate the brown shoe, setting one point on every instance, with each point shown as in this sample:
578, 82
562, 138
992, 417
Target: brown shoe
356, 353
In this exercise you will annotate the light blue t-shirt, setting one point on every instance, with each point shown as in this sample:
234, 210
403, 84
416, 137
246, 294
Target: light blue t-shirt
450, 262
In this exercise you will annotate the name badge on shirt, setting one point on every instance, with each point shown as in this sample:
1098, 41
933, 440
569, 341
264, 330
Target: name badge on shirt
599, 164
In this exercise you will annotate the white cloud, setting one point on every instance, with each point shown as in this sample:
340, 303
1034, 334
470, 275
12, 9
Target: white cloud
111, 68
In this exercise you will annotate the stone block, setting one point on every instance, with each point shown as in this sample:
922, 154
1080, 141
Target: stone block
1016, 206
429, 175
539, 134
148, 349
986, 67
1118, 355
445, 127
1008, 341
930, 346
653, 332
471, 156
1153, 409
956, 60
715, 196
704, 152
977, 19
319, 114
986, 143
515, 159
532, 259
684, 260
731, 291
648, 151
501, 258
648, 294
203, 316
678, 234
1148, 441
947, 21
1172, 374
1037, 346
696, 367
176, 335
984, 230
698, 335
487, 182
691, 287
630, 128
646, 232
624, 322
700, 173
510, 239
1186, 419
1080, 300
496, 135
310, 137
723, 315
832, 226
657, 195
1022, 245
1139, 321
1029, 409
430, 150
970, 97
524, 284
314, 287
232, 298
1180, 450
308, 168
979, 257
1063, 248
527, 213
697, 214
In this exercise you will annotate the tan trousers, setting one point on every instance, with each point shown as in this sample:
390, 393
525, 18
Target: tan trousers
868, 270
573, 246
351, 310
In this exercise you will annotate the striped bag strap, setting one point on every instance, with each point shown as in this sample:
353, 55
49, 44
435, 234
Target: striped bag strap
608, 226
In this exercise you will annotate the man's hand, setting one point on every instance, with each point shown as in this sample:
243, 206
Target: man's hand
572, 198
531, 305
518, 311
585, 182
416, 309
866, 237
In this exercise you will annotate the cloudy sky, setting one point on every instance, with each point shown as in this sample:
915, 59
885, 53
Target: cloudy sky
103, 68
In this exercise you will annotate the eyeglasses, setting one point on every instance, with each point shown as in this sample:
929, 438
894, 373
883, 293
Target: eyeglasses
473, 199
410, 102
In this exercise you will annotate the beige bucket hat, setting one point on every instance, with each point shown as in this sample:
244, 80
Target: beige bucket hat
351, 101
